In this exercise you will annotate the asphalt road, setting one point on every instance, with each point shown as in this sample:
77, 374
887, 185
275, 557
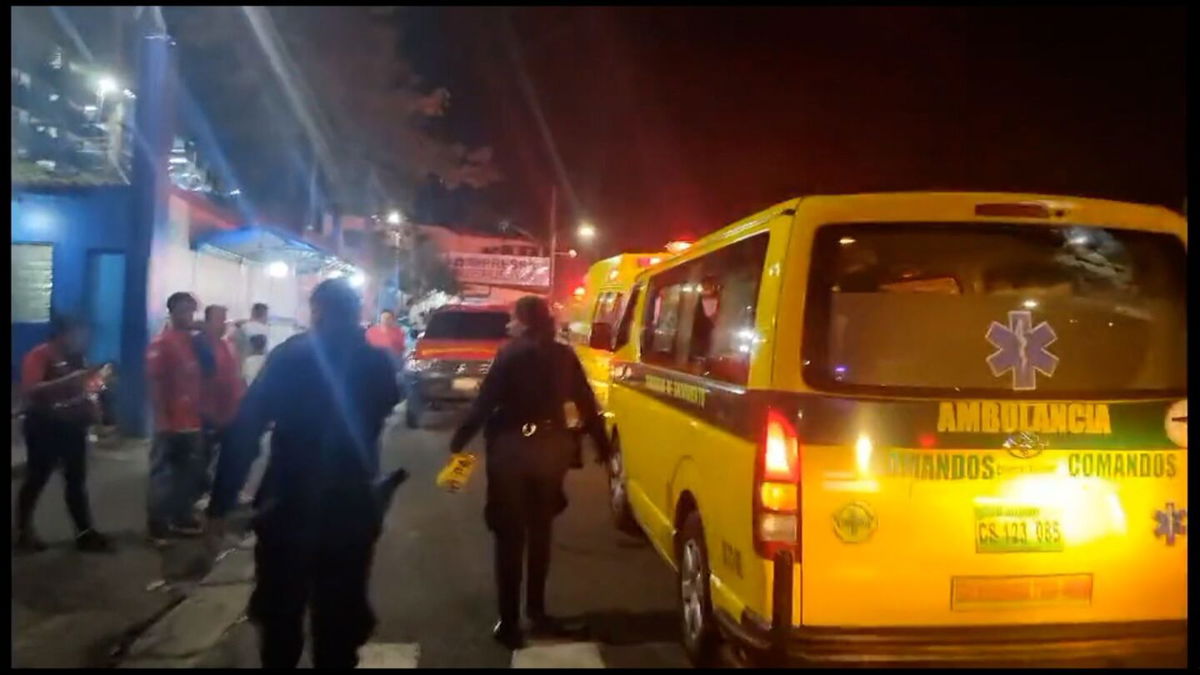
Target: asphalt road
432, 585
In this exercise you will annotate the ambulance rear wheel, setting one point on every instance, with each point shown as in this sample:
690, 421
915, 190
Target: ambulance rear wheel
701, 639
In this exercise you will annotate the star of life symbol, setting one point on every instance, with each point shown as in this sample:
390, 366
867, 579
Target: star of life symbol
1170, 523
1021, 348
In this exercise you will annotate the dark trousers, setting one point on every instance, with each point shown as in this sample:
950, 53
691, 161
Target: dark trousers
47, 444
327, 578
178, 475
525, 494
214, 441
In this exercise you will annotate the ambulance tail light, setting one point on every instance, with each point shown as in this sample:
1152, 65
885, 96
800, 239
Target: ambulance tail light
776, 510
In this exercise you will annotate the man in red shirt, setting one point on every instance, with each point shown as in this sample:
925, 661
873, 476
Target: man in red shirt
177, 464
56, 383
387, 336
221, 391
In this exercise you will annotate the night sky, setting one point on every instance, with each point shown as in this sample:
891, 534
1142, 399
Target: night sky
674, 122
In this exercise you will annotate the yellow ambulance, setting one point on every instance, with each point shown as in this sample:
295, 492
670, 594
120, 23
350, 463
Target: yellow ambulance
596, 308
915, 429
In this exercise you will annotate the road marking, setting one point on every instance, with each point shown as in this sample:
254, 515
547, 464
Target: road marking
389, 655
560, 655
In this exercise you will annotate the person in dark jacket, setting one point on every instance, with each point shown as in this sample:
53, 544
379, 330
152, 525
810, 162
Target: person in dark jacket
317, 515
533, 395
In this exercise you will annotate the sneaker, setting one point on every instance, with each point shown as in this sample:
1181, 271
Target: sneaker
29, 542
91, 541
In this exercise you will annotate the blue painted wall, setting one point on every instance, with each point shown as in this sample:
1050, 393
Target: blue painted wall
76, 221
106, 305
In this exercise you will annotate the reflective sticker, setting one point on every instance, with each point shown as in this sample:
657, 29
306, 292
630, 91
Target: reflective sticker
855, 522
1176, 423
1021, 348
1170, 523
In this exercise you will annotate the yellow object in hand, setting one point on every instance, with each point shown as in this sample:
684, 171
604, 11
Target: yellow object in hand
454, 476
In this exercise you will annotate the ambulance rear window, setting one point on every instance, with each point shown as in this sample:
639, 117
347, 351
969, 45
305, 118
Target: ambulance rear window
997, 310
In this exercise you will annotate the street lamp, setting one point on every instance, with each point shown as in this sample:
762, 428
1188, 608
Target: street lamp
586, 231
105, 85
394, 217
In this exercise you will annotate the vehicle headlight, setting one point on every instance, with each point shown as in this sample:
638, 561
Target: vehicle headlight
419, 365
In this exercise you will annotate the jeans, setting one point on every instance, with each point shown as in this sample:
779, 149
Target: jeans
214, 441
49, 442
178, 476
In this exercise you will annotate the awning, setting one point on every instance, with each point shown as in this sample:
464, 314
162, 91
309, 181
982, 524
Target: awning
268, 244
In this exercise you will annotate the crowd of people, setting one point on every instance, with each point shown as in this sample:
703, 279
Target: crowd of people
198, 373
325, 395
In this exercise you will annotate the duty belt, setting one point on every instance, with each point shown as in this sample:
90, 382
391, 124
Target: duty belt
530, 428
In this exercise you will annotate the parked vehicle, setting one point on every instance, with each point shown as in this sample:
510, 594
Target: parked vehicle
916, 429
451, 357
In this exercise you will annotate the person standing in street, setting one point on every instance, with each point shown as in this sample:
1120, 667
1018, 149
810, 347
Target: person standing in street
317, 512
388, 336
173, 366
246, 330
533, 399
221, 394
58, 388
254, 362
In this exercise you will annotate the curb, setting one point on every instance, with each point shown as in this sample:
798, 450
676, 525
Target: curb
180, 637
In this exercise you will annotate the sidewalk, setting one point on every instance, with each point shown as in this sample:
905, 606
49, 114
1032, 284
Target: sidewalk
76, 610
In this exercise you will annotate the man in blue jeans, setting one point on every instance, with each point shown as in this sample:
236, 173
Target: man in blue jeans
178, 466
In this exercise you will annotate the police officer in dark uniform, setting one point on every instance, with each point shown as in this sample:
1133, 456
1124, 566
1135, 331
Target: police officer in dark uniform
528, 399
317, 512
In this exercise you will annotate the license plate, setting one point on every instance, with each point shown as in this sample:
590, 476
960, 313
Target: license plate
1016, 529
465, 384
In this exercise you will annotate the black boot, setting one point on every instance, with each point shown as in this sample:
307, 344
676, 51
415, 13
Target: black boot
508, 634
91, 541
28, 541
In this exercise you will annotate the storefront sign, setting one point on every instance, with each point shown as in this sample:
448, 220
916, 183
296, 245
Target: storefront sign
501, 270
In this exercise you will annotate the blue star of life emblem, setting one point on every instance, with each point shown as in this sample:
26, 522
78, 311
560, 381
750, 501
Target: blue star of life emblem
1170, 523
1021, 348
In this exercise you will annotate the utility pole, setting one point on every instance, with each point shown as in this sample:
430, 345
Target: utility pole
553, 235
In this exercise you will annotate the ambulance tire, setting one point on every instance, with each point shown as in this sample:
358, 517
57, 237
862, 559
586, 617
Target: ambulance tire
618, 494
701, 639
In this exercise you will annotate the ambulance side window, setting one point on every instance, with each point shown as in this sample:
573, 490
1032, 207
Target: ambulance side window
623, 328
608, 308
665, 302
723, 324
